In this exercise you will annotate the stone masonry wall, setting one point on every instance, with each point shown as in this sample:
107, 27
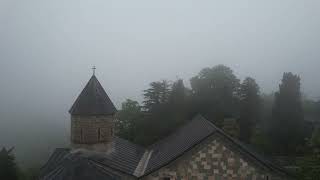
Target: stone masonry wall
91, 129
212, 161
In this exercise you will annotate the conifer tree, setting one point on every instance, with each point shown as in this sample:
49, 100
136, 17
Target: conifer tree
287, 116
157, 94
249, 108
178, 93
8, 167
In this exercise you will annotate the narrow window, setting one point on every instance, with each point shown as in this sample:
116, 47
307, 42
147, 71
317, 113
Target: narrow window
166, 178
81, 135
111, 131
99, 134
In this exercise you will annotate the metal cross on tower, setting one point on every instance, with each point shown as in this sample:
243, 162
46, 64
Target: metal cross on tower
94, 70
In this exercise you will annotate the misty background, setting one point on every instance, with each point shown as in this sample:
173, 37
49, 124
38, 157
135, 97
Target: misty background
47, 49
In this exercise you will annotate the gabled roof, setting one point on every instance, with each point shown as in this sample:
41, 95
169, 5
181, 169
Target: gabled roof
193, 133
136, 161
93, 100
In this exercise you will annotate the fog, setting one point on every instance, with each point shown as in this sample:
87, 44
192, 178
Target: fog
47, 49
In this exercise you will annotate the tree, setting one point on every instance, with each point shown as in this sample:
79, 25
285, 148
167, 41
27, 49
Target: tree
310, 163
311, 109
309, 167
318, 109
287, 116
31, 173
315, 140
157, 94
178, 93
249, 108
165, 108
214, 91
178, 104
128, 120
164, 105
8, 167
267, 102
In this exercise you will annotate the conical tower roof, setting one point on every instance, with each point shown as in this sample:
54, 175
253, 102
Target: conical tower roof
93, 100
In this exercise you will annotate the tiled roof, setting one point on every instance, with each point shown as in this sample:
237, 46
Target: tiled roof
176, 144
127, 156
74, 166
124, 158
93, 100
55, 159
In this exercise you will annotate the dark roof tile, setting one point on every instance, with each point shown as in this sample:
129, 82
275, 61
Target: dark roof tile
77, 167
176, 144
124, 158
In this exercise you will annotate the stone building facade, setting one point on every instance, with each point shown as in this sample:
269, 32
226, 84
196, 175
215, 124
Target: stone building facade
92, 129
214, 160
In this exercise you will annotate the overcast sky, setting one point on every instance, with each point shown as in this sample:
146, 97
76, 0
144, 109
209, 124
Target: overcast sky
47, 48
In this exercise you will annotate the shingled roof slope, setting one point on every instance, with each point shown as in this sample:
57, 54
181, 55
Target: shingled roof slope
78, 167
93, 100
55, 159
124, 158
176, 144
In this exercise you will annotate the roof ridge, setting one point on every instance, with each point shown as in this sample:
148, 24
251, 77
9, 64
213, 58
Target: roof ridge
195, 118
143, 163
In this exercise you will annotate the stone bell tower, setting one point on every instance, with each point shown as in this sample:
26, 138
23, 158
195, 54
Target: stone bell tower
92, 118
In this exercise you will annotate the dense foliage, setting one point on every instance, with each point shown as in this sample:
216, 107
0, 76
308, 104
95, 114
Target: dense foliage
279, 124
310, 164
310, 167
8, 166
272, 123
128, 120
249, 108
287, 116
214, 93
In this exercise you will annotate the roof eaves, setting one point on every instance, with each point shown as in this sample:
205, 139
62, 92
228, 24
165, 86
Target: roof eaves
108, 166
